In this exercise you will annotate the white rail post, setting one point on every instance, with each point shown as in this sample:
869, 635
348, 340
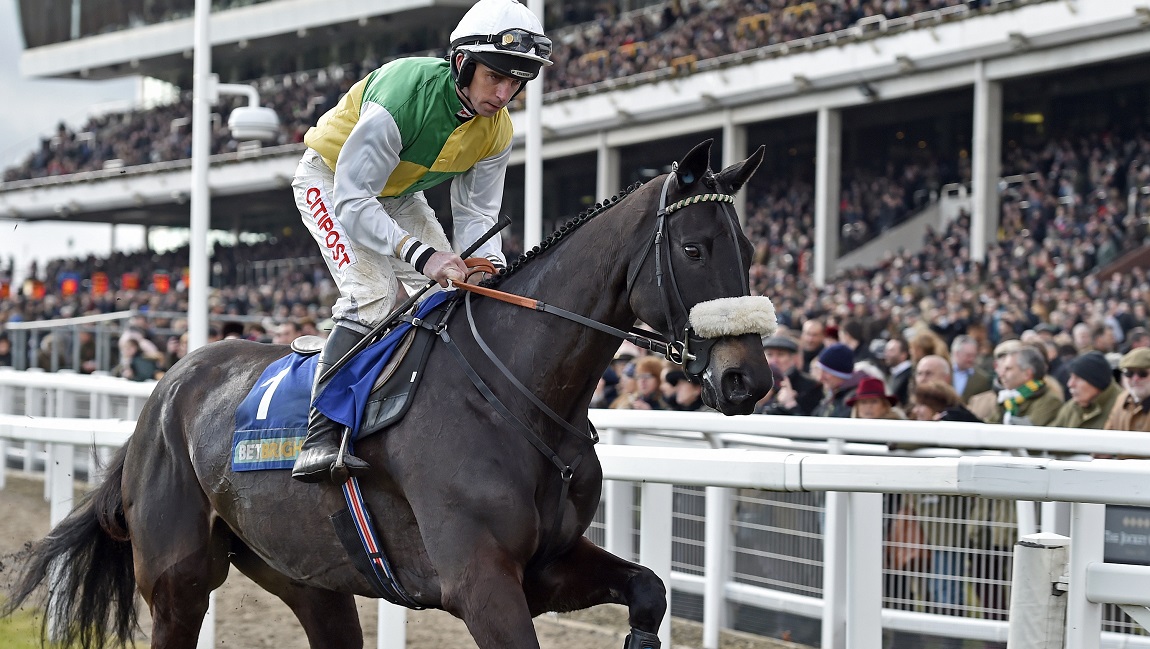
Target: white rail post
618, 511
60, 479
1037, 608
1083, 617
835, 563
391, 626
655, 542
7, 405
33, 407
864, 575
207, 639
716, 564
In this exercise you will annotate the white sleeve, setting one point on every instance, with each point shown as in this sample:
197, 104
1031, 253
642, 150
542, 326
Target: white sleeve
366, 161
476, 196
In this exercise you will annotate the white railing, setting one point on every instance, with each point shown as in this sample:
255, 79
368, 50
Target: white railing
852, 518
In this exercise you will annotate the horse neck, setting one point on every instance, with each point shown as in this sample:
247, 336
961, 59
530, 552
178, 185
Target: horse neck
586, 273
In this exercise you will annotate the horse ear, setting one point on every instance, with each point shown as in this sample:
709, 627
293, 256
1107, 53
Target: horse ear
737, 175
695, 164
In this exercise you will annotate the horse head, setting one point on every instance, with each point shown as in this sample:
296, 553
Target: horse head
691, 282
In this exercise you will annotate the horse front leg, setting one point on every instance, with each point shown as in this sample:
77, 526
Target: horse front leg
482, 584
588, 575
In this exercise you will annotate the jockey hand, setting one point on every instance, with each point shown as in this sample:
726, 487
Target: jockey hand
444, 266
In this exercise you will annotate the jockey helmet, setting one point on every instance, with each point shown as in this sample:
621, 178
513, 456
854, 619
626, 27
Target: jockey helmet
505, 36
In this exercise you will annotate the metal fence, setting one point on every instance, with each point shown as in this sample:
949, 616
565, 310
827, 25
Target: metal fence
945, 556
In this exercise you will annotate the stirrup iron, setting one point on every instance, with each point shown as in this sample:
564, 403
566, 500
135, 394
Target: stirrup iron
339, 471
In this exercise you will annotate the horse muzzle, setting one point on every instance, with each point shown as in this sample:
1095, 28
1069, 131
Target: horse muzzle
730, 363
738, 375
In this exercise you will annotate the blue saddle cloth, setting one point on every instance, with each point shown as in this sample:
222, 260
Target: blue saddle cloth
271, 421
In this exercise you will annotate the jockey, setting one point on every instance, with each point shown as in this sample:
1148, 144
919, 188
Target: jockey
409, 125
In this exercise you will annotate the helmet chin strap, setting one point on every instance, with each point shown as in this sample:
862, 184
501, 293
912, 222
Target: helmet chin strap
468, 109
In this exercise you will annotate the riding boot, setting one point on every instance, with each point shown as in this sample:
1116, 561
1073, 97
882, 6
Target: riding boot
321, 446
641, 640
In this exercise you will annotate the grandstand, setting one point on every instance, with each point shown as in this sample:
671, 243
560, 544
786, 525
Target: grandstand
929, 161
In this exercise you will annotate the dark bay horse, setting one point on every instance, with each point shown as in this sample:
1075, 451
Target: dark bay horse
470, 513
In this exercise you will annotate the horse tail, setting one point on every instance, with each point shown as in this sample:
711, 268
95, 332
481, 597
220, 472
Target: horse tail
86, 561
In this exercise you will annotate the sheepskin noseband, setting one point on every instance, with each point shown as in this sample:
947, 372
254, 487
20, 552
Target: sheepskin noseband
734, 316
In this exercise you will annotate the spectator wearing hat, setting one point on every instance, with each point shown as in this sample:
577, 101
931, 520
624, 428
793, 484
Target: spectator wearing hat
870, 401
797, 393
1132, 408
1025, 398
839, 378
1093, 393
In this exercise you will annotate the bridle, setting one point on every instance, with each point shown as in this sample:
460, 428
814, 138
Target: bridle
691, 351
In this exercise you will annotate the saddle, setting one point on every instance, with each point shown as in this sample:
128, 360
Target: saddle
399, 375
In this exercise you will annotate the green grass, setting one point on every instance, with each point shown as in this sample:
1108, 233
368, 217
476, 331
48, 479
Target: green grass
20, 631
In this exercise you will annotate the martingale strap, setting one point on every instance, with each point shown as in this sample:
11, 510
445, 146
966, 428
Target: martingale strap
566, 471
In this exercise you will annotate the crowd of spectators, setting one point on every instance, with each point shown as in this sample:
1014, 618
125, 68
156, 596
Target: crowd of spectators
612, 45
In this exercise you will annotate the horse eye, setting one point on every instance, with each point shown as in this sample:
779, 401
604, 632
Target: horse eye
692, 251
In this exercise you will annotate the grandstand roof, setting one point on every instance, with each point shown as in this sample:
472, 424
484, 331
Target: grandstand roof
244, 37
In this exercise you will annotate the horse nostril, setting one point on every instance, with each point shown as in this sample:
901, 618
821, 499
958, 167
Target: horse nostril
738, 386
735, 386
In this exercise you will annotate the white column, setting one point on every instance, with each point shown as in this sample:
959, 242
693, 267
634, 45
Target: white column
735, 150
606, 169
207, 639
828, 173
986, 162
835, 563
619, 505
201, 197
864, 571
655, 543
1083, 617
716, 564
1037, 610
533, 164
391, 626
60, 482
33, 407
7, 405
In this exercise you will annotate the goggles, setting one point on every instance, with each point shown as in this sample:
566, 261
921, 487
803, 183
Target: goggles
516, 40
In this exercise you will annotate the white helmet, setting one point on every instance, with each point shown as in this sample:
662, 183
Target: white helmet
505, 36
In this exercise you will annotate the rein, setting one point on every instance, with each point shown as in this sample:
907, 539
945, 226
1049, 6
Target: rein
691, 351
